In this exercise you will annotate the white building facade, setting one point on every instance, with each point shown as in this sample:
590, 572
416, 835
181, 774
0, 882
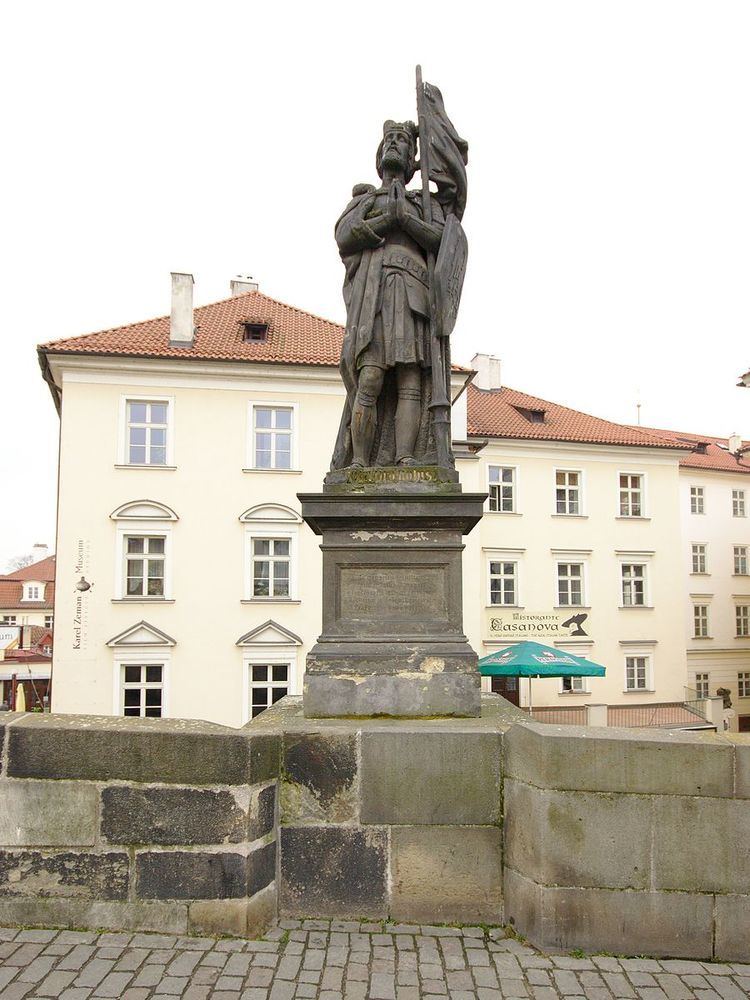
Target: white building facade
579, 547
715, 523
191, 587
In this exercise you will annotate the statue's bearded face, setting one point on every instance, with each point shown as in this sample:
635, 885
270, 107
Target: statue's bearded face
397, 150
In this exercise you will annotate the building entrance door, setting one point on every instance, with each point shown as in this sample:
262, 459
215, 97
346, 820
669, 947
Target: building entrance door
507, 687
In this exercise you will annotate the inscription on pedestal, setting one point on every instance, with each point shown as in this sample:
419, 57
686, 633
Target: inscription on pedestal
361, 477
418, 478
388, 593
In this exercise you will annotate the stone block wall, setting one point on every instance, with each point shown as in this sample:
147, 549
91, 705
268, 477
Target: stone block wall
627, 841
139, 824
624, 841
390, 819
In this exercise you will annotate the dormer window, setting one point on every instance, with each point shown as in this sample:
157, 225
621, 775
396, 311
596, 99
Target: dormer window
701, 448
33, 591
255, 333
533, 416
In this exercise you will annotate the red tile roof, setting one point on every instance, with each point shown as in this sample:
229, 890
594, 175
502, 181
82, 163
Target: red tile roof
11, 597
25, 656
717, 454
294, 336
11, 586
44, 571
506, 413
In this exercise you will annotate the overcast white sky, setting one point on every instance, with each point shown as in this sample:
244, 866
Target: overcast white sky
609, 187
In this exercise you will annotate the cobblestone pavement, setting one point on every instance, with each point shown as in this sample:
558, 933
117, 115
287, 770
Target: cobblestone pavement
340, 960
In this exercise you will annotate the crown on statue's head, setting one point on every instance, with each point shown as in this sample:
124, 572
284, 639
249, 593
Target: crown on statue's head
409, 127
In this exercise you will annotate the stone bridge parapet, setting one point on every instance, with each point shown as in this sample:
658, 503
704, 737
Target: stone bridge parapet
625, 841
140, 824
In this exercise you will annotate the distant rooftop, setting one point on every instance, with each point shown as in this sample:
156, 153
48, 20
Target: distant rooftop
508, 413
11, 586
708, 452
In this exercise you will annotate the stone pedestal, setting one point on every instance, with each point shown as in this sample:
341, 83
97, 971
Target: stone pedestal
392, 642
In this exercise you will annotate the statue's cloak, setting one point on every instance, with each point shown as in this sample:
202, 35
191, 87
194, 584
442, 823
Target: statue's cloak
362, 297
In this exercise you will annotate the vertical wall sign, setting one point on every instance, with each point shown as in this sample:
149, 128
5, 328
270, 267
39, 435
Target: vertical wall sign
83, 587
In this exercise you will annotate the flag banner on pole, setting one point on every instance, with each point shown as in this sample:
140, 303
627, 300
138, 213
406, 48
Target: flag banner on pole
448, 154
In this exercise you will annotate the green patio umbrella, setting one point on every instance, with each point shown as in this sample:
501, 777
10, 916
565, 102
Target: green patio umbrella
532, 659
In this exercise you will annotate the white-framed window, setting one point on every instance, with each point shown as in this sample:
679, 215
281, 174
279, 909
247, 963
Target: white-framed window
700, 621
503, 575
743, 684
698, 557
269, 682
570, 584
574, 685
738, 503
742, 620
142, 689
269, 667
33, 591
568, 491
143, 555
145, 566
271, 567
147, 432
8, 619
697, 500
740, 560
631, 494
146, 436
701, 685
502, 485
141, 671
273, 436
633, 585
638, 673
49, 621
270, 554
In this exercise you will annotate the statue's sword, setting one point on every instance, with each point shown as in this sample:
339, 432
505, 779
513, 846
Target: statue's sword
440, 405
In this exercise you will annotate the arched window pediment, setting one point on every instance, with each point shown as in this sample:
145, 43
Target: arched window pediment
273, 512
143, 510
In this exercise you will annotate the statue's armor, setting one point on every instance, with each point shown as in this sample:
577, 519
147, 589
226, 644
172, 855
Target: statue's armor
401, 327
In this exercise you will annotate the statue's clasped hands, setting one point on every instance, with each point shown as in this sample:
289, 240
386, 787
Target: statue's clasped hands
395, 212
374, 224
397, 202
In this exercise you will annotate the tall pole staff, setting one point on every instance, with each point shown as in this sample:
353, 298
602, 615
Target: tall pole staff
440, 404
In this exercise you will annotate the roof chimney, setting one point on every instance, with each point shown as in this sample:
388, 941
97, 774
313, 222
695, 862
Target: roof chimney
181, 328
242, 283
735, 443
38, 552
488, 371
